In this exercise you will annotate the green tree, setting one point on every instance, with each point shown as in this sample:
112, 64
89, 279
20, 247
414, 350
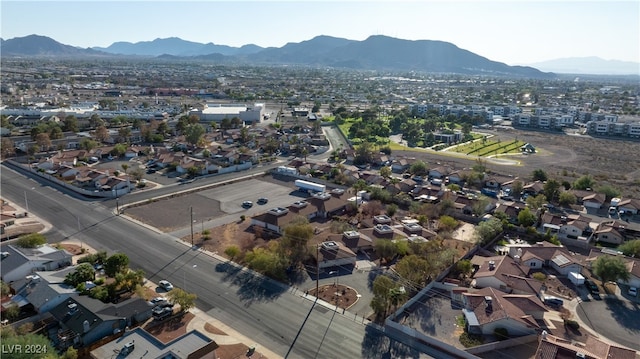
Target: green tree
119, 150
536, 202
609, 191
609, 268
5, 289
184, 299
566, 199
84, 272
364, 153
382, 286
415, 270
32, 240
487, 230
418, 168
386, 249
10, 339
70, 353
464, 267
194, 134
129, 280
295, 238
526, 218
268, 261
631, 248
392, 209
516, 188
385, 171
447, 223
116, 263
539, 175
584, 182
88, 144
70, 123
552, 189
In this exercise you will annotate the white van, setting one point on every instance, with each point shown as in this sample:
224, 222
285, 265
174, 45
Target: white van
612, 210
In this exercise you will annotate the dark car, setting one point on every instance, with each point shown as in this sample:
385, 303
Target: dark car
592, 287
263, 200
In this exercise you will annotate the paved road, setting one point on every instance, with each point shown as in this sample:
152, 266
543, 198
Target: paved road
276, 318
614, 318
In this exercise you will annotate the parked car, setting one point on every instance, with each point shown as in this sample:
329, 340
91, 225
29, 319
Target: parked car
247, 204
553, 301
166, 285
263, 200
160, 313
158, 300
633, 291
593, 288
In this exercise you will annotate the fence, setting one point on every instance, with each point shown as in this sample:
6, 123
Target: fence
400, 330
502, 344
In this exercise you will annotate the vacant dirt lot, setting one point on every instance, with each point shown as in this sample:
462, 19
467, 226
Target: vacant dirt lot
562, 157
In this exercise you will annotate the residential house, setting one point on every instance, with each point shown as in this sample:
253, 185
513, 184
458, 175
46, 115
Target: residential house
44, 290
139, 343
552, 347
548, 255
497, 272
458, 177
80, 323
489, 309
407, 185
439, 172
18, 262
608, 234
615, 232
594, 200
497, 182
400, 165
533, 189
630, 205
511, 210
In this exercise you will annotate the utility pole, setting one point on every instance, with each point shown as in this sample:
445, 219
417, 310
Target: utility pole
317, 270
79, 230
26, 203
191, 210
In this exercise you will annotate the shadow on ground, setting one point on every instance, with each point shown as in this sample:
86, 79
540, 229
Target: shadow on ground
377, 345
252, 287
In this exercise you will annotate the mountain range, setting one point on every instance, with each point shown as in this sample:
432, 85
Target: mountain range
375, 53
589, 65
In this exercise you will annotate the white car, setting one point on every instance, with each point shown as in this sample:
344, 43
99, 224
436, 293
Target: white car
166, 285
633, 291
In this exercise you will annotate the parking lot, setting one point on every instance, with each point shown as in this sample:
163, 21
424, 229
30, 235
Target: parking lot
215, 206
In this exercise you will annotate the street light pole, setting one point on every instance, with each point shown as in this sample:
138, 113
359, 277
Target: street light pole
191, 210
317, 271
26, 203
117, 206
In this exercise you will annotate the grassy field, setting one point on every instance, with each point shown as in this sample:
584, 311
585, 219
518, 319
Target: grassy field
489, 147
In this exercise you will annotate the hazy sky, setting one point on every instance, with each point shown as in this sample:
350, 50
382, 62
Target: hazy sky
510, 31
